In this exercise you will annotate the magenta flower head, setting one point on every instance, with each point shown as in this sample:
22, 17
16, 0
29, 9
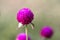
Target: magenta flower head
24, 16
22, 36
46, 32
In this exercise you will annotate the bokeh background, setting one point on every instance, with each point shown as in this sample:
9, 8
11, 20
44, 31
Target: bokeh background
47, 12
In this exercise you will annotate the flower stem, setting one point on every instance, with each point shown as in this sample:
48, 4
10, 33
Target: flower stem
26, 33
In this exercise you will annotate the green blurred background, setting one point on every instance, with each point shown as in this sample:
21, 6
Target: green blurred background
47, 12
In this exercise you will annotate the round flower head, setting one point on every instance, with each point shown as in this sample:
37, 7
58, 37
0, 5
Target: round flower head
46, 32
24, 16
22, 36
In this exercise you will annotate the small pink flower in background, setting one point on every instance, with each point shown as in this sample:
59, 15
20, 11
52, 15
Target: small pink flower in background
46, 32
22, 36
24, 17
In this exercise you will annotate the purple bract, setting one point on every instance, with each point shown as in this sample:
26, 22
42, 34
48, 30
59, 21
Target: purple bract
25, 16
46, 32
22, 36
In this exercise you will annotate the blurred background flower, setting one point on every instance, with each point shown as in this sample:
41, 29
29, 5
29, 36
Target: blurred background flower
46, 32
22, 36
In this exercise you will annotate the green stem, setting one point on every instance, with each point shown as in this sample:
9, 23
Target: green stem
26, 33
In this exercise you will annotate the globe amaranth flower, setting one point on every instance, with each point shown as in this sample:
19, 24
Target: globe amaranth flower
24, 17
22, 36
46, 32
